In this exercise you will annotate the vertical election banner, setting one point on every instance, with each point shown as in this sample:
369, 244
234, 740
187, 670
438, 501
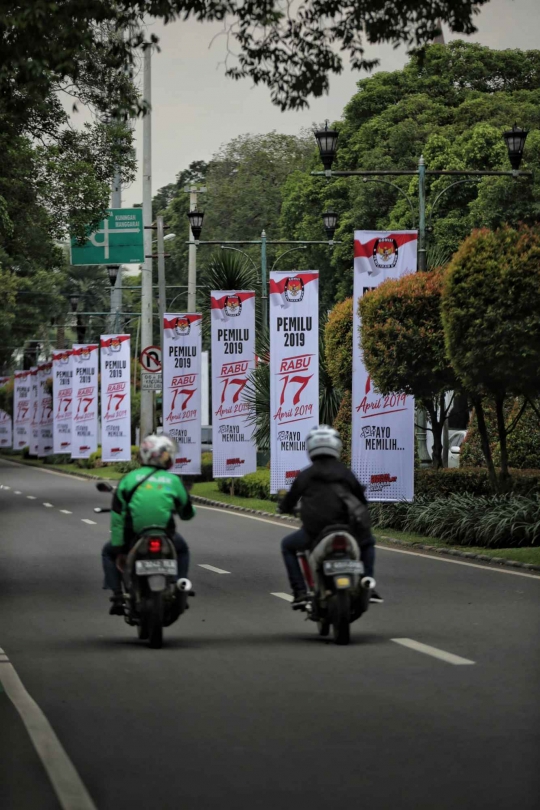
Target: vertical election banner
115, 398
84, 430
45, 409
62, 370
22, 409
382, 449
294, 371
182, 389
34, 405
233, 360
6, 422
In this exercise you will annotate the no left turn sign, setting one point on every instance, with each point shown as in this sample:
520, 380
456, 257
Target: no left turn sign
150, 359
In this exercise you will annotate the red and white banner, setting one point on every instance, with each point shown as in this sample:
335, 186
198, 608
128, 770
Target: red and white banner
115, 398
6, 422
45, 410
233, 360
62, 371
22, 410
84, 430
294, 372
182, 341
382, 450
34, 407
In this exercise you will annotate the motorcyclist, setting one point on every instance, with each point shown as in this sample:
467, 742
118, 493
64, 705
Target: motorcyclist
148, 496
321, 506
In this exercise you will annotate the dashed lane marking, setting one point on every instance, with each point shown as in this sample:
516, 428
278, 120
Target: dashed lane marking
442, 655
90, 522
65, 511
286, 596
17, 492
48, 505
31, 497
213, 568
66, 782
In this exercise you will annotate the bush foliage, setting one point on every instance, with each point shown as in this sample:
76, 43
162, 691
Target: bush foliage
339, 344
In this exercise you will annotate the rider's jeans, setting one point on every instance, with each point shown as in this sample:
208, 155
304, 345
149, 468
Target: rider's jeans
300, 541
113, 577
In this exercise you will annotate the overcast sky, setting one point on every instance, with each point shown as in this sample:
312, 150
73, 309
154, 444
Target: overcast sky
195, 108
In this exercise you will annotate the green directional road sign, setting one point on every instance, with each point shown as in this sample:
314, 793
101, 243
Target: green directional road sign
118, 240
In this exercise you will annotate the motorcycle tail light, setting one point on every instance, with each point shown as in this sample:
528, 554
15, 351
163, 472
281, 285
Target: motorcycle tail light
154, 545
339, 543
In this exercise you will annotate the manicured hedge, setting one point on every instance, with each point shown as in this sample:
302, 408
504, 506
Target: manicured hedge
473, 481
254, 485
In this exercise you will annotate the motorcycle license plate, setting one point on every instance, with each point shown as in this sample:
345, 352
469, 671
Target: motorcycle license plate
343, 567
145, 568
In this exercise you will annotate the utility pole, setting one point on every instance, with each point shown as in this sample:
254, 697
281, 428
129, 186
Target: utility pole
147, 397
161, 275
192, 260
264, 282
116, 291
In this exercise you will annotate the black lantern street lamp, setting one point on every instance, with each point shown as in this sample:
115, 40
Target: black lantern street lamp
330, 219
113, 270
74, 301
515, 142
327, 143
196, 222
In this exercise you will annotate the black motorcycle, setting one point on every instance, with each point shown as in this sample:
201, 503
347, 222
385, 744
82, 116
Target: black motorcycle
154, 597
338, 591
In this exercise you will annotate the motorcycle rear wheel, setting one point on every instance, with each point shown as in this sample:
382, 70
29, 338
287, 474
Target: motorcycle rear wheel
155, 621
323, 626
341, 616
142, 629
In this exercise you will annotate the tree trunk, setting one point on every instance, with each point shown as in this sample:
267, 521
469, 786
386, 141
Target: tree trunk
484, 439
61, 337
436, 428
81, 329
501, 428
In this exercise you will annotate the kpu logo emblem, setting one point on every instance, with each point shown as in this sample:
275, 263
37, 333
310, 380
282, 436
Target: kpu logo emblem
294, 289
116, 344
63, 358
182, 327
83, 354
385, 253
232, 305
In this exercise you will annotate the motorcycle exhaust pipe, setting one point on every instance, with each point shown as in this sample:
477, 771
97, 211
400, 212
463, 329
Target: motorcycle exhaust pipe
368, 583
184, 585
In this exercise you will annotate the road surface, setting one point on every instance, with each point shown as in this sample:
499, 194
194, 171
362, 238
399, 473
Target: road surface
245, 707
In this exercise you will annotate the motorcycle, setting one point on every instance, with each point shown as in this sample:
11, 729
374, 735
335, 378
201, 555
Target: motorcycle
154, 597
338, 591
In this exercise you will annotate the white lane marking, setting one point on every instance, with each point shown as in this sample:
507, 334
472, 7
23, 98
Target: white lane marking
50, 472
65, 780
17, 492
90, 522
425, 556
213, 568
31, 497
48, 505
3, 486
450, 658
65, 512
286, 596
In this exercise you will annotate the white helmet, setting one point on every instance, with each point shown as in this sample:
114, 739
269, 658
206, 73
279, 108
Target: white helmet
323, 441
157, 451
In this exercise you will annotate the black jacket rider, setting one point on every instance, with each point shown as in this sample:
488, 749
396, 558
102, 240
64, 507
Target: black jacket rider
321, 506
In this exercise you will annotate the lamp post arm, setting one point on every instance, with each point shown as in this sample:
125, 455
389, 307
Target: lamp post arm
291, 250
401, 191
447, 188
229, 247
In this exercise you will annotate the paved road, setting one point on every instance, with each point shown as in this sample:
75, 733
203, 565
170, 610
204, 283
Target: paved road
246, 707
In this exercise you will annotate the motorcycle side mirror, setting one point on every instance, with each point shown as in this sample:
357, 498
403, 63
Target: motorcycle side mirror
102, 486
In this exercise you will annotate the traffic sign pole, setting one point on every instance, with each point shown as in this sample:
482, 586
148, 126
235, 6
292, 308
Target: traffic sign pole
147, 397
161, 275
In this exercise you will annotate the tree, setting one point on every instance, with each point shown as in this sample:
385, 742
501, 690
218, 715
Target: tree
491, 317
451, 106
282, 46
403, 345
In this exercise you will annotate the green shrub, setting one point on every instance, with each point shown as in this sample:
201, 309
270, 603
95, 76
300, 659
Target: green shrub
339, 344
467, 520
343, 423
126, 466
57, 458
439, 483
254, 485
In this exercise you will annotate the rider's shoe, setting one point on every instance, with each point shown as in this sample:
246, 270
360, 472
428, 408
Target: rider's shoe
117, 607
374, 597
300, 598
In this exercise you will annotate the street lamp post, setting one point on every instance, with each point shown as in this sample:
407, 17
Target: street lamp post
327, 142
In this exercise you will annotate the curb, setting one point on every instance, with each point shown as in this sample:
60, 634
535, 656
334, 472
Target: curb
448, 552
291, 521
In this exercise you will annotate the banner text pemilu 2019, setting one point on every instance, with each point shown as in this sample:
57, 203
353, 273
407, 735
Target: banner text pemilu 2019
382, 447
182, 342
115, 397
294, 372
234, 452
